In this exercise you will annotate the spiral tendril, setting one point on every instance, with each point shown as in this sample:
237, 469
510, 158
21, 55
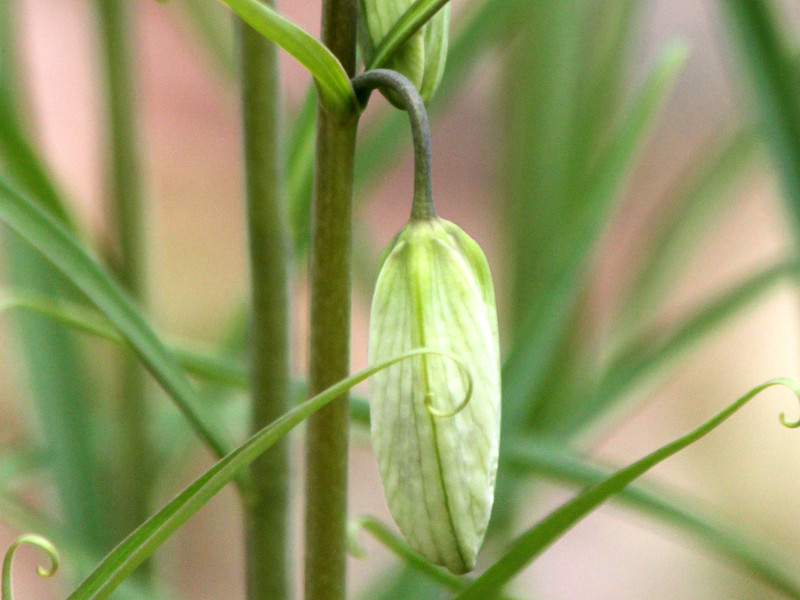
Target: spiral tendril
34, 540
446, 414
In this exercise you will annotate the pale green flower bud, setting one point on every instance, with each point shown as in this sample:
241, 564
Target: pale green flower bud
438, 469
421, 59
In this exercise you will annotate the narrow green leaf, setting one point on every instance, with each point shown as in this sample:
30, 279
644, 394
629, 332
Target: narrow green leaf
652, 349
60, 248
540, 331
215, 31
403, 551
400, 585
58, 383
388, 539
220, 369
531, 456
300, 171
415, 17
140, 544
23, 165
335, 90
701, 192
538, 538
16, 464
772, 72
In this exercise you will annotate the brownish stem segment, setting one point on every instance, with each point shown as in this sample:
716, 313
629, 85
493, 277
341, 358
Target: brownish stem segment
329, 349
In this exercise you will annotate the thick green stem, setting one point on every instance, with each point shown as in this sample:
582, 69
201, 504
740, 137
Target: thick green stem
329, 349
124, 200
267, 504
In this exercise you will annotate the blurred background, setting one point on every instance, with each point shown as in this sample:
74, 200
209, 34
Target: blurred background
601, 276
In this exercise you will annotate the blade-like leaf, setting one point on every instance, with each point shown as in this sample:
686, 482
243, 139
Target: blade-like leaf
539, 333
534, 457
538, 538
415, 17
335, 90
652, 349
23, 165
138, 546
60, 391
61, 249
300, 171
702, 192
403, 551
206, 17
220, 369
772, 72
16, 464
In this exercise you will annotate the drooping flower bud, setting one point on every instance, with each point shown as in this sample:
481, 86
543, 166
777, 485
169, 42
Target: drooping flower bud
437, 457
421, 59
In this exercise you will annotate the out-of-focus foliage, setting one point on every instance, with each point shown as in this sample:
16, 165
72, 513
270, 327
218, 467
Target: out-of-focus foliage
569, 126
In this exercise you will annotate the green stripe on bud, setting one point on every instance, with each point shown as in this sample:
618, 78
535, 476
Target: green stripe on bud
421, 59
435, 291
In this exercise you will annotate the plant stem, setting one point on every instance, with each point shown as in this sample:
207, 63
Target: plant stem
329, 345
267, 506
386, 79
124, 199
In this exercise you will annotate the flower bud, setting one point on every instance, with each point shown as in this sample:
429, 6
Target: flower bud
437, 457
421, 59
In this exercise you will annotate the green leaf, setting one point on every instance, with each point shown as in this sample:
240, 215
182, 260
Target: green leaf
220, 369
530, 456
402, 584
23, 165
215, 31
388, 539
20, 463
538, 538
419, 13
772, 72
403, 551
140, 544
701, 192
60, 390
300, 171
541, 328
335, 91
60, 248
652, 349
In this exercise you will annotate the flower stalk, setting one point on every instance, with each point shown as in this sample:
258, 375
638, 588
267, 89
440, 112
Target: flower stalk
422, 204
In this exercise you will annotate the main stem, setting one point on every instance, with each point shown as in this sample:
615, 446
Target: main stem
329, 345
124, 199
266, 507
